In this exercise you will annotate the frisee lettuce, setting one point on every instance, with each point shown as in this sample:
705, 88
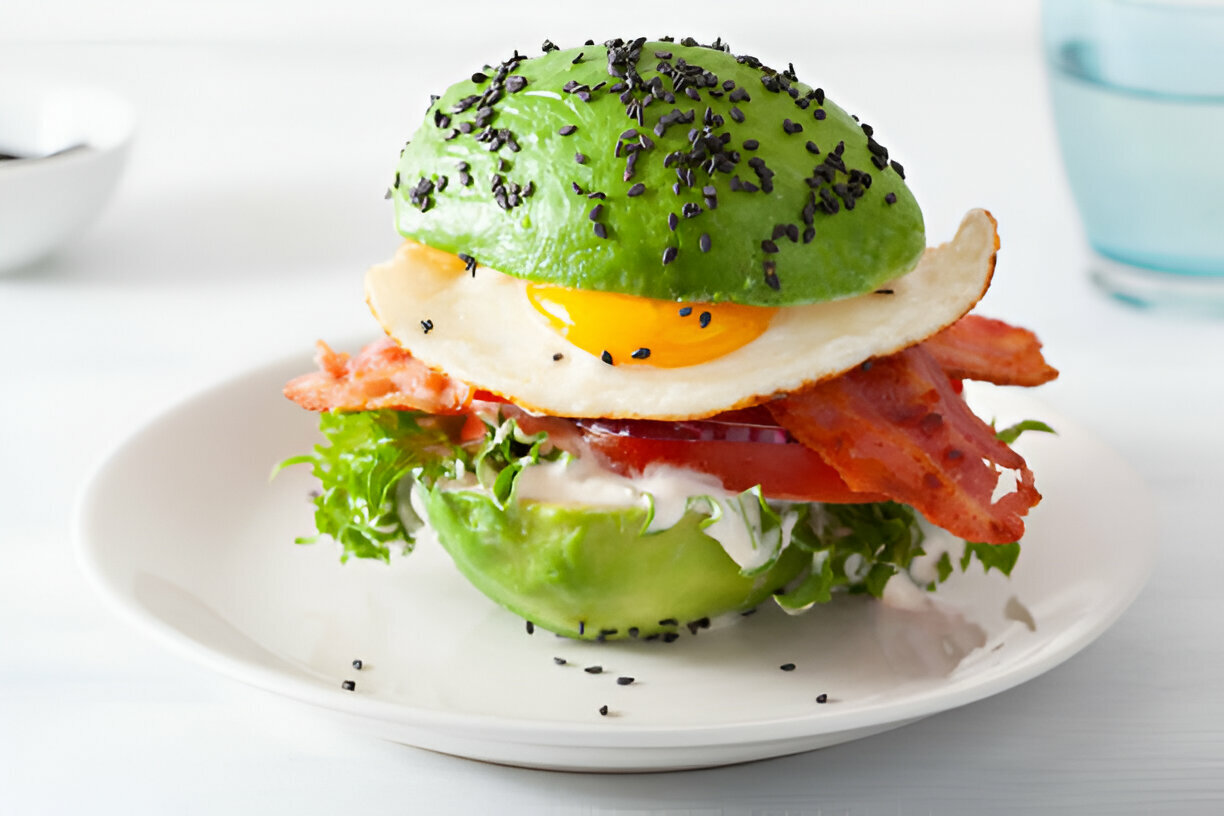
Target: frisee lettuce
1011, 433
367, 456
370, 457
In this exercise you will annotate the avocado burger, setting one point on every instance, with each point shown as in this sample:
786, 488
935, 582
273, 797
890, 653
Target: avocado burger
664, 341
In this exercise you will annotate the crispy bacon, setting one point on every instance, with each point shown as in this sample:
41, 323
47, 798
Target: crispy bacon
893, 427
896, 426
382, 375
980, 348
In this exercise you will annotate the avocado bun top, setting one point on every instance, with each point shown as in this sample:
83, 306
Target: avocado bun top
659, 169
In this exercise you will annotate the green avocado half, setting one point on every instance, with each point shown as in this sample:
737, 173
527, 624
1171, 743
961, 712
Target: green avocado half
590, 573
659, 169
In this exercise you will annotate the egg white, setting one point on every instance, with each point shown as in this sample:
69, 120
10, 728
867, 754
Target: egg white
484, 331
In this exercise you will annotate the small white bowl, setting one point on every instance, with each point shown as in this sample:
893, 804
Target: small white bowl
44, 201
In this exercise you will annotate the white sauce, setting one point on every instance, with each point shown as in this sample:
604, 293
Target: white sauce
666, 489
935, 543
902, 593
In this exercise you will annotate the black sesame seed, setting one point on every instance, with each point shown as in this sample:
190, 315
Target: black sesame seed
704, 242
606, 357
580, 158
791, 127
607, 632
566, 130
883, 291
671, 621
558, 356
704, 319
357, 664
787, 667
598, 195
896, 165
819, 114
427, 326
808, 235
751, 144
672, 221
822, 698
516, 83
624, 681
530, 628
348, 685
771, 276
603, 711
636, 190
769, 246
633, 631
669, 255
812, 148
685, 311
560, 661
548, 46
600, 231
479, 78
581, 627
891, 198
595, 212
577, 59
593, 669
737, 114
640, 354
670, 637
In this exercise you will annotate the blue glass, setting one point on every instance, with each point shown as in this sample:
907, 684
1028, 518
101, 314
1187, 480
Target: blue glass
1138, 94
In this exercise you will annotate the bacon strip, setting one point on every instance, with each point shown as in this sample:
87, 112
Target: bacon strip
896, 426
382, 375
980, 348
893, 428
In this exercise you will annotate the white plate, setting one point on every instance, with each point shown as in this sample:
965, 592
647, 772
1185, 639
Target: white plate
183, 531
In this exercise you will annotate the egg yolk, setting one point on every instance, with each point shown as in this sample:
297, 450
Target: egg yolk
629, 330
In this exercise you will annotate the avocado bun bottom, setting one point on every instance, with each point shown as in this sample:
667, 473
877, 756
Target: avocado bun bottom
592, 573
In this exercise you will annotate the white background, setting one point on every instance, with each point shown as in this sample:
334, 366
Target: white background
253, 203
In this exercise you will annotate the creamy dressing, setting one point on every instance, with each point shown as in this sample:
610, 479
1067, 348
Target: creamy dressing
665, 491
936, 541
900, 592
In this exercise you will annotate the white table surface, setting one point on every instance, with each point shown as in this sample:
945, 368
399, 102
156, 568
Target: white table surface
252, 205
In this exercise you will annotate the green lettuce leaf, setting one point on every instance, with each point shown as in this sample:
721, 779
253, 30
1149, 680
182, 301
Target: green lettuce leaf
367, 455
1011, 433
993, 556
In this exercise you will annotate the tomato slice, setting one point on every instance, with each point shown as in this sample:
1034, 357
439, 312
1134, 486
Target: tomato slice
787, 471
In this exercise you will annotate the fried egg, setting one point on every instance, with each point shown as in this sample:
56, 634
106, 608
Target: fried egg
591, 354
